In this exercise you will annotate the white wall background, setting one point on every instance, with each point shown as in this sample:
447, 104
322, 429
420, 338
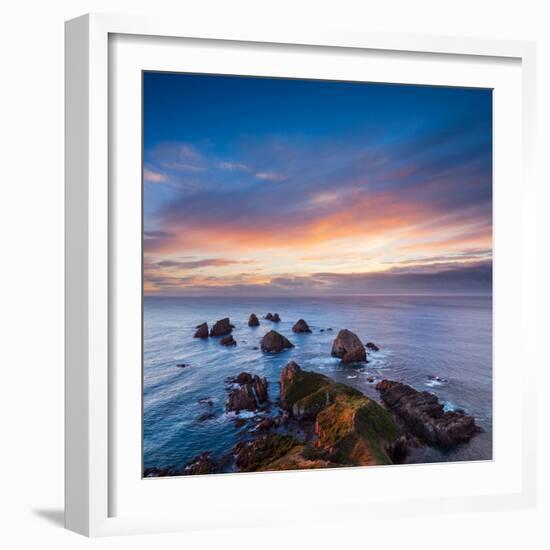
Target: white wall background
31, 267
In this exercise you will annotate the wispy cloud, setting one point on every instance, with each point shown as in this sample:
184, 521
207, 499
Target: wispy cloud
150, 176
271, 176
197, 264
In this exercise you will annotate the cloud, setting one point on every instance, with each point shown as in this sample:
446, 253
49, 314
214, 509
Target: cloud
234, 166
270, 176
150, 176
196, 264
467, 278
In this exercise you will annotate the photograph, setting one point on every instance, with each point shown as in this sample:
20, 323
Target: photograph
317, 274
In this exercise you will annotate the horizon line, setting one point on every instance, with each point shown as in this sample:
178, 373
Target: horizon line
485, 294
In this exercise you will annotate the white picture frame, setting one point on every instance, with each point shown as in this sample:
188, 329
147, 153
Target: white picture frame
94, 404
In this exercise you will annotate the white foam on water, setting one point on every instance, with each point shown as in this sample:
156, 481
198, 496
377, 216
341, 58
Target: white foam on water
449, 406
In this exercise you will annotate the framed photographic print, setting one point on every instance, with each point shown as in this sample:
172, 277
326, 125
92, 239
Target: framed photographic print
291, 270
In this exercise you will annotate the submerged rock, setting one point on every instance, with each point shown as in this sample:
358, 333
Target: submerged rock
206, 416
253, 321
228, 341
372, 346
348, 347
202, 331
423, 415
273, 342
221, 327
274, 317
301, 326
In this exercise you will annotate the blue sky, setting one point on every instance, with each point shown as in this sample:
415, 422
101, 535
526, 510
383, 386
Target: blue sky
263, 185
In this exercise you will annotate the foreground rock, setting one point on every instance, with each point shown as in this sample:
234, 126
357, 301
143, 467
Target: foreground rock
352, 429
348, 347
277, 452
423, 415
372, 346
253, 321
202, 331
252, 391
221, 327
356, 430
273, 342
274, 317
200, 465
301, 326
228, 341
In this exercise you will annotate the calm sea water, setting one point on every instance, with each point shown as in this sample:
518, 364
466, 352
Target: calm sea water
420, 337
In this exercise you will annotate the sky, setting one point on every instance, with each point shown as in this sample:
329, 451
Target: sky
267, 186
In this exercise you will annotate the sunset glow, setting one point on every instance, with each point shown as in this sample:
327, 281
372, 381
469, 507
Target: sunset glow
273, 186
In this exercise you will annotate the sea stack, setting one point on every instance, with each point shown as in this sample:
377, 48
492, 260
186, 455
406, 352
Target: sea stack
301, 326
273, 342
348, 347
221, 327
228, 341
273, 317
202, 331
253, 320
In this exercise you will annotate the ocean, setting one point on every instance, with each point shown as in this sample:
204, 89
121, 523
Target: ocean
441, 344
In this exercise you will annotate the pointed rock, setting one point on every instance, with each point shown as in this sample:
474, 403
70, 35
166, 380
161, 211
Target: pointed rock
273, 342
221, 327
202, 331
301, 326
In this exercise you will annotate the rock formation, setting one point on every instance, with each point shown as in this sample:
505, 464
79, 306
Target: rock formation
252, 391
352, 430
200, 465
423, 415
274, 317
221, 327
228, 341
241, 399
202, 331
301, 326
273, 342
260, 388
372, 346
348, 347
253, 321
277, 452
